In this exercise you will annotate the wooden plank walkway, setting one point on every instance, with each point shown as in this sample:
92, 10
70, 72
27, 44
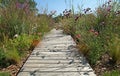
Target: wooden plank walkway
56, 56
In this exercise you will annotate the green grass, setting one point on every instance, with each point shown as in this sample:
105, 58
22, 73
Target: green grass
4, 74
112, 73
27, 24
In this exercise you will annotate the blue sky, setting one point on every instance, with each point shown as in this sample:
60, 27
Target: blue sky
60, 5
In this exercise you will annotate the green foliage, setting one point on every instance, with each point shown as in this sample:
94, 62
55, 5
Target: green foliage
14, 49
96, 33
114, 48
2, 58
112, 73
96, 49
26, 23
4, 74
16, 20
22, 43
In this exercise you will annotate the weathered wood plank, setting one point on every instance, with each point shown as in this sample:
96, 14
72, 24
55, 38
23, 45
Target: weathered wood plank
59, 69
53, 58
55, 65
56, 56
57, 74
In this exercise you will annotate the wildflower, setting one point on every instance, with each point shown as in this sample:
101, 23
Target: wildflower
70, 10
103, 5
78, 36
108, 8
16, 35
87, 10
92, 30
102, 23
52, 12
76, 18
66, 13
19, 5
96, 33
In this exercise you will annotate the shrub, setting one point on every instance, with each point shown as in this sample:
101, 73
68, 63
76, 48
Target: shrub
16, 20
112, 73
2, 58
4, 74
114, 48
22, 43
14, 49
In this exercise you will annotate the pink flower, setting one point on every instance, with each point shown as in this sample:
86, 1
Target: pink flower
92, 30
96, 33
78, 36
108, 8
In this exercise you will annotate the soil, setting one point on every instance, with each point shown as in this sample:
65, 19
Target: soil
105, 64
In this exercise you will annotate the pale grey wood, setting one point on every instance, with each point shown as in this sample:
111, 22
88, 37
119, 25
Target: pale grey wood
56, 55
55, 65
58, 74
53, 58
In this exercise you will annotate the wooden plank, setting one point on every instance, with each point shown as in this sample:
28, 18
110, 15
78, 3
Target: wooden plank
60, 55
57, 74
53, 52
56, 56
55, 65
53, 58
59, 69
52, 61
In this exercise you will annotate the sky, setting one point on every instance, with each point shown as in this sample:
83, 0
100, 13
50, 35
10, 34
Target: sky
61, 5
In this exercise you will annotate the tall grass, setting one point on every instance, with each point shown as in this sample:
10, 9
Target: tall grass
112, 73
19, 27
96, 32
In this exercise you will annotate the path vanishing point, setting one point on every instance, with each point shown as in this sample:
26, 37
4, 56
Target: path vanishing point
56, 55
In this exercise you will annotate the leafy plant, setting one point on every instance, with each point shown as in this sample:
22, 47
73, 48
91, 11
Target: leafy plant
112, 73
114, 48
4, 74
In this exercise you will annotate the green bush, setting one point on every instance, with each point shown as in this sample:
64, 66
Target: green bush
2, 58
14, 49
112, 73
22, 43
114, 48
95, 31
15, 20
24, 22
4, 74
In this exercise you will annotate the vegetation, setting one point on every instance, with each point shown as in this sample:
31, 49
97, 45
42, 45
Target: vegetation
112, 73
4, 74
20, 27
96, 33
